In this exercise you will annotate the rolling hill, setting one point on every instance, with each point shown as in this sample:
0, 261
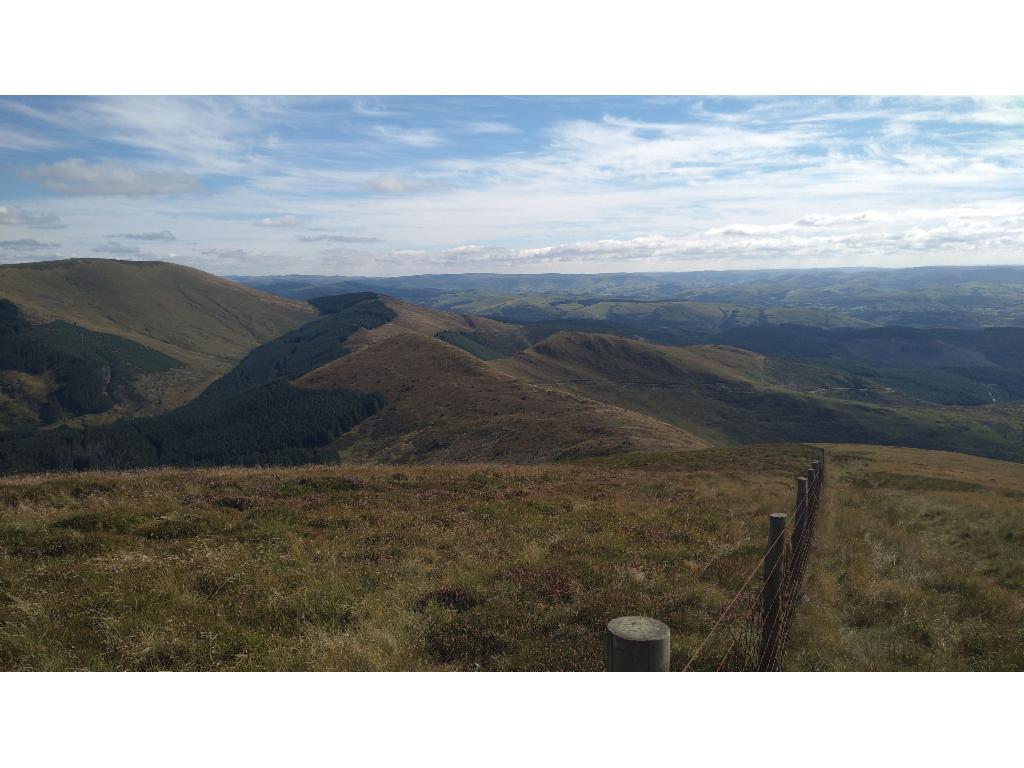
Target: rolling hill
198, 325
445, 404
726, 396
225, 374
951, 297
367, 379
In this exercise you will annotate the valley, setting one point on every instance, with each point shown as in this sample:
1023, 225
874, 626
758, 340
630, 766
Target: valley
405, 382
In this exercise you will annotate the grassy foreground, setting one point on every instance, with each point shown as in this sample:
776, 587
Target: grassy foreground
375, 568
918, 565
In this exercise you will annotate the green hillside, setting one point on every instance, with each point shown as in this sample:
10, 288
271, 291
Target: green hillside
76, 371
950, 297
367, 379
204, 322
733, 396
667, 322
253, 415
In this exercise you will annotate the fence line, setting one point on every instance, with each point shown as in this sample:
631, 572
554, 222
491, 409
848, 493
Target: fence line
755, 625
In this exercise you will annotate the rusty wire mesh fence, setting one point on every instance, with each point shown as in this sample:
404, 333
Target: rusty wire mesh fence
752, 631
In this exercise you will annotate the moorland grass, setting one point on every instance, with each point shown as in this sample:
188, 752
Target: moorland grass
917, 565
497, 567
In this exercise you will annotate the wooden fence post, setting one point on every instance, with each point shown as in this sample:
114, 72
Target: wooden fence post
812, 487
637, 644
800, 513
771, 610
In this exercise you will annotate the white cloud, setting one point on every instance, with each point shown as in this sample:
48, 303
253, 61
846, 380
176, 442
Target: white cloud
488, 127
22, 142
26, 244
864, 238
199, 135
75, 176
117, 249
823, 220
12, 215
232, 253
413, 137
366, 109
395, 185
767, 181
164, 235
279, 221
337, 239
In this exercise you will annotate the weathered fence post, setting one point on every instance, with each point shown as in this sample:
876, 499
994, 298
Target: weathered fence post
637, 644
812, 488
771, 607
800, 513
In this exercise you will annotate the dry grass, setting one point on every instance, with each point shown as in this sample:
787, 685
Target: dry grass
481, 566
376, 568
917, 565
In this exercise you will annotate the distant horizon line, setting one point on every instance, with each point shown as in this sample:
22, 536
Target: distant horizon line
44, 262
661, 272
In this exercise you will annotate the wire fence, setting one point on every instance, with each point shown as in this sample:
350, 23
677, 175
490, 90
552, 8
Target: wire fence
752, 631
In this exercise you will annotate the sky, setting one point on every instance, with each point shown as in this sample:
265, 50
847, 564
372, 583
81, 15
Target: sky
410, 185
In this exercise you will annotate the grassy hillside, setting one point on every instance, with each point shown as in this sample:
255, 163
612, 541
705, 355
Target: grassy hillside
369, 362
917, 565
733, 396
443, 404
314, 344
205, 322
666, 322
420, 567
253, 415
57, 371
950, 297
500, 567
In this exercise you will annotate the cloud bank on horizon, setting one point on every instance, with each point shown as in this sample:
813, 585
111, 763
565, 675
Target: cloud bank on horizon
390, 186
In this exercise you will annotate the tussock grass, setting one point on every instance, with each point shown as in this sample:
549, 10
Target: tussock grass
503, 567
472, 566
917, 565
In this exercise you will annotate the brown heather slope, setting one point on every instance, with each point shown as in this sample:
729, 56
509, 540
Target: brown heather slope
204, 321
446, 405
423, 321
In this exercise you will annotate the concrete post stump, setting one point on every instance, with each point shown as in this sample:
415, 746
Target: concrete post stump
637, 644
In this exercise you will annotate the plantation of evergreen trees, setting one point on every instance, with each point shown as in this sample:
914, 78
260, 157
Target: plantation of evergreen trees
251, 416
